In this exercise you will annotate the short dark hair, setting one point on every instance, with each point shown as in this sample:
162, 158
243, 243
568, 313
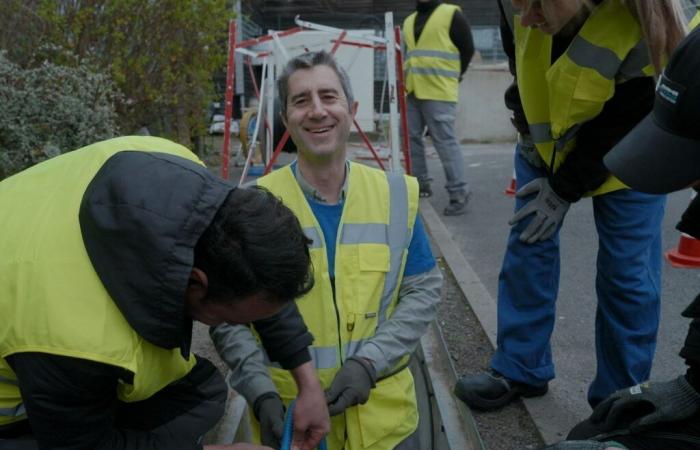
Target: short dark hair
254, 245
310, 60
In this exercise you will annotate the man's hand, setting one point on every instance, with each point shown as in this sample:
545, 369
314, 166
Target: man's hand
548, 207
311, 420
269, 411
646, 404
351, 385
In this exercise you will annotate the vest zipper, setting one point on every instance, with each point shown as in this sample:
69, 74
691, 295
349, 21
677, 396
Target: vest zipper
337, 321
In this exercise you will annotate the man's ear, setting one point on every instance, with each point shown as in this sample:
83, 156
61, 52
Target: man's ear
353, 109
197, 284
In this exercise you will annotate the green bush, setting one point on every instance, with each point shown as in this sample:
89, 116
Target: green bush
51, 109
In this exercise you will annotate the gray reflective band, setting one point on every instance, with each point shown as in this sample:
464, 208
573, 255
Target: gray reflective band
431, 71
399, 238
540, 132
635, 62
13, 412
364, 233
601, 59
569, 135
322, 357
433, 54
312, 233
8, 380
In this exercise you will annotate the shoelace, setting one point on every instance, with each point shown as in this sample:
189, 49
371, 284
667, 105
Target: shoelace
289, 430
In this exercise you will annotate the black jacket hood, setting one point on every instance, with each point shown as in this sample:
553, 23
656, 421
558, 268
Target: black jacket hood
141, 217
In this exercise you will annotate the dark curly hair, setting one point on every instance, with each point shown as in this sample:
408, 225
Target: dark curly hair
254, 245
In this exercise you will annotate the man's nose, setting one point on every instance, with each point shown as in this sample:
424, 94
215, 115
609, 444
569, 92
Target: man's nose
317, 108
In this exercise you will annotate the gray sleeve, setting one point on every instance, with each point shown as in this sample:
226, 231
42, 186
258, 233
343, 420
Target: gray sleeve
240, 351
400, 334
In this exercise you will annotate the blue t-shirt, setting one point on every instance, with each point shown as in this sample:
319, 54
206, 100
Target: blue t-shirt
420, 257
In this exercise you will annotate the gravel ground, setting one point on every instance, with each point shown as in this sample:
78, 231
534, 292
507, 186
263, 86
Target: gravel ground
511, 428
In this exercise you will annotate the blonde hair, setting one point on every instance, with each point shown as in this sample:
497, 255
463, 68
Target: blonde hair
663, 27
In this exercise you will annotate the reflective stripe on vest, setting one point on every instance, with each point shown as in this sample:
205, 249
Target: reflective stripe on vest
559, 97
15, 412
432, 65
38, 277
695, 21
312, 233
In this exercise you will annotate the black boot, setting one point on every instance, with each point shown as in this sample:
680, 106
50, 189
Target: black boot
491, 390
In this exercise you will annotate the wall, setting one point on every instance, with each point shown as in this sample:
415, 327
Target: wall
481, 114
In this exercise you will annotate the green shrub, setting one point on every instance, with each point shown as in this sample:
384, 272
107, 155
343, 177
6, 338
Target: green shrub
51, 109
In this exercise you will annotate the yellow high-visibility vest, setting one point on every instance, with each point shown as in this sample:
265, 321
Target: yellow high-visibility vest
557, 98
372, 243
432, 66
695, 21
51, 299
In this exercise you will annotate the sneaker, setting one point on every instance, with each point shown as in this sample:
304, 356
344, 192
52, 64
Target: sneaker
424, 189
458, 205
487, 391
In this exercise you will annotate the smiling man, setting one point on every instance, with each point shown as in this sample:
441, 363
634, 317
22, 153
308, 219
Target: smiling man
377, 285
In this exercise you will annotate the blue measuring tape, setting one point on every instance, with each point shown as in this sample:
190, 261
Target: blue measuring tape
289, 430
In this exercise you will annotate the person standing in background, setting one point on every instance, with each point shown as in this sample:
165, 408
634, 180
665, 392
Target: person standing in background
438, 50
585, 77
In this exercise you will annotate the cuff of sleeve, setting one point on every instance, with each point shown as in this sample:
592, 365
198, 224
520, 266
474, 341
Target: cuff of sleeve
258, 401
296, 360
375, 354
254, 388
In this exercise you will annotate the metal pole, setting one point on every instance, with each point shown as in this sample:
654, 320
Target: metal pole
393, 90
228, 106
402, 102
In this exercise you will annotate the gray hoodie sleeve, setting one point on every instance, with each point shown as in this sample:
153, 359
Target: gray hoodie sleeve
240, 351
400, 334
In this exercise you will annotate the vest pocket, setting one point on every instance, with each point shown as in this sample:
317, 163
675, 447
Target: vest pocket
373, 264
373, 257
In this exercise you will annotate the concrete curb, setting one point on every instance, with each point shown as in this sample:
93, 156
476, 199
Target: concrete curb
550, 418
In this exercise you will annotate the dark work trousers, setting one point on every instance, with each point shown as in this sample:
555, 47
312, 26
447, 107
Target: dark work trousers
185, 409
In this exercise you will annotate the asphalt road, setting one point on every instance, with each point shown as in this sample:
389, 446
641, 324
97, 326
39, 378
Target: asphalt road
481, 235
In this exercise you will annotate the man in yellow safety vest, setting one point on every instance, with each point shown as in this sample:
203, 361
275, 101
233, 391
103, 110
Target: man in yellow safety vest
377, 284
108, 254
438, 50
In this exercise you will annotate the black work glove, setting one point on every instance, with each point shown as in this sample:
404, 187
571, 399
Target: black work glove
351, 385
648, 403
269, 410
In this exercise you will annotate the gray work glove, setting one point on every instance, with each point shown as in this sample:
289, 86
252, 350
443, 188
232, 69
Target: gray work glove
578, 445
548, 207
351, 385
648, 403
269, 410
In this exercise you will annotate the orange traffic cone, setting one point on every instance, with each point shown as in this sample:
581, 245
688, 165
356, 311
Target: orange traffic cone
687, 254
510, 190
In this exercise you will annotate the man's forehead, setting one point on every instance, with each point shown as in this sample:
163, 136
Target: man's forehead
317, 78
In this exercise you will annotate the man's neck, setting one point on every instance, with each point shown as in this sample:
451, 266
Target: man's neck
424, 7
327, 177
